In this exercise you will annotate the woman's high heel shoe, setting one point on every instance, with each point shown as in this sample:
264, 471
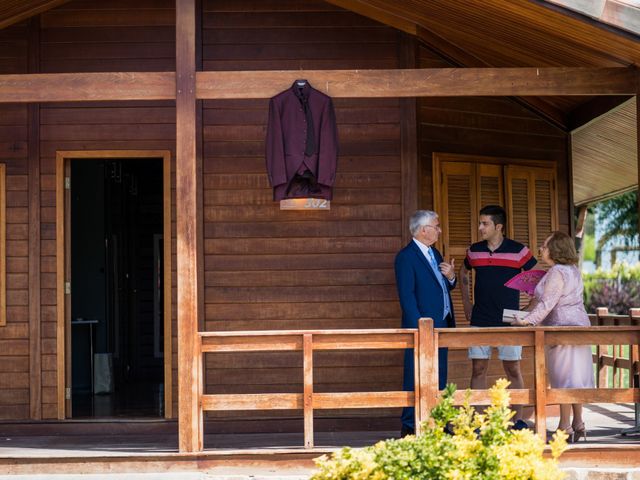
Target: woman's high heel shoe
569, 432
579, 431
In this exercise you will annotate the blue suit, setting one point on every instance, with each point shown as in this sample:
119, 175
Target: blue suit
421, 295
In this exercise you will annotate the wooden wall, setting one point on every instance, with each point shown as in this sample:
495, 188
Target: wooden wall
494, 127
264, 268
272, 269
92, 36
14, 337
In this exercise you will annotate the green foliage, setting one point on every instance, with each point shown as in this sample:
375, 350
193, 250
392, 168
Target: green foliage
589, 248
618, 289
619, 216
482, 447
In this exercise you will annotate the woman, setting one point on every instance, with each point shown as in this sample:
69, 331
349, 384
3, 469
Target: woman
558, 302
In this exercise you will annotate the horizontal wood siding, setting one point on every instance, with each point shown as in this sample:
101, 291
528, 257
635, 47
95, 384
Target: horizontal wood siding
498, 127
264, 268
272, 269
14, 337
95, 36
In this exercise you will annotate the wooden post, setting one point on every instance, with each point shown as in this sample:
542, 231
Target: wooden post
601, 351
417, 380
425, 367
35, 328
634, 355
541, 385
307, 363
634, 362
189, 419
199, 393
428, 368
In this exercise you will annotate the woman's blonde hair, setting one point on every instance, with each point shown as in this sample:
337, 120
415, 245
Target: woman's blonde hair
562, 249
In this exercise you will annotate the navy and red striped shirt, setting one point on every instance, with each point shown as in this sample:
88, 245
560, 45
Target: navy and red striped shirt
493, 270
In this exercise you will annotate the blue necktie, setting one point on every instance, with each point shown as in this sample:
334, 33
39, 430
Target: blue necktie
443, 285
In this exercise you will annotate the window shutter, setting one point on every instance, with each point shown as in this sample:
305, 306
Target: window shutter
490, 189
532, 204
519, 204
457, 207
546, 205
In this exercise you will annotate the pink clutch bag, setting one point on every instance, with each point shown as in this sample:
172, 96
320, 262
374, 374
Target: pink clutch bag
526, 281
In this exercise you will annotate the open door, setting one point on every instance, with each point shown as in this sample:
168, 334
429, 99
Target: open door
116, 314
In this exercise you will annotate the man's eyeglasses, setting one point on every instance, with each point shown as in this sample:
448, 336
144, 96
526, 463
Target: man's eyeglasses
436, 227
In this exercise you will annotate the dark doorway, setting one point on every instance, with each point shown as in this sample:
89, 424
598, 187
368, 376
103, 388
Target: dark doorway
117, 288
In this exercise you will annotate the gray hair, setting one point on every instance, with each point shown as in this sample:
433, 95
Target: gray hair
419, 219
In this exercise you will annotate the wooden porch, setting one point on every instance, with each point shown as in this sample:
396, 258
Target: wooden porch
152, 446
208, 190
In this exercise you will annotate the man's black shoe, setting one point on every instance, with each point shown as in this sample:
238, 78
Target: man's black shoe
407, 431
520, 425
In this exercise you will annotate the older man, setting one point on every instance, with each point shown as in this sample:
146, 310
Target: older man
424, 281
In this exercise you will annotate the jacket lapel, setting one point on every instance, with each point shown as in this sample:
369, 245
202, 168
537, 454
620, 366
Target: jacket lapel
424, 260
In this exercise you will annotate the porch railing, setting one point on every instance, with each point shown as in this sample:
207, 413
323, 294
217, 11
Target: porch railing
425, 341
308, 341
617, 365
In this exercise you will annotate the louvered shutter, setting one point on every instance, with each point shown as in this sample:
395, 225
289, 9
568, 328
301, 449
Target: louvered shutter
490, 189
545, 204
457, 209
531, 204
531, 207
520, 209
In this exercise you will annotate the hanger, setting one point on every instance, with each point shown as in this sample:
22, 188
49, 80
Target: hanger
301, 82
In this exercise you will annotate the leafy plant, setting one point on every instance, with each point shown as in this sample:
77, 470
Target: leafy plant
620, 216
618, 289
482, 447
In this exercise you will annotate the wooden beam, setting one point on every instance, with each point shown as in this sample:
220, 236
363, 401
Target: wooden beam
17, 11
190, 428
33, 139
427, 82
79, 87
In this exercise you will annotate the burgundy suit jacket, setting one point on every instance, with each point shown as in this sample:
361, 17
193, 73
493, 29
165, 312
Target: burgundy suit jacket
286, 141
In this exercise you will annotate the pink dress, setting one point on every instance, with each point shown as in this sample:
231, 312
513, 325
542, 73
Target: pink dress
559, 303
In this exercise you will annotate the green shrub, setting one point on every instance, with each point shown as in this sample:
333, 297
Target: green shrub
482, 447
618, 289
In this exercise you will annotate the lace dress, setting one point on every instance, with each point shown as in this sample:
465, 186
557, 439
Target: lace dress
559, 303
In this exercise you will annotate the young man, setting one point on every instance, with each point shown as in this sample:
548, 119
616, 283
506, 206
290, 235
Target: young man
424, 281
496, 259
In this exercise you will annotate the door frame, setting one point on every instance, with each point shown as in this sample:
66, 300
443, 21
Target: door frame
63, 267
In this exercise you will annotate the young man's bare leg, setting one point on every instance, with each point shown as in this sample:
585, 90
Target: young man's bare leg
514, 375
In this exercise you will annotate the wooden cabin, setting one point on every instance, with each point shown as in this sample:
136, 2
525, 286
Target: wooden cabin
136, 208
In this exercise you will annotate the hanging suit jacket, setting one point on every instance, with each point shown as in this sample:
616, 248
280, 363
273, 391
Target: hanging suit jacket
292, 172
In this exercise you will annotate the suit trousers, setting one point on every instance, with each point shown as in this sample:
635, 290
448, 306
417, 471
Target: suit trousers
408, 413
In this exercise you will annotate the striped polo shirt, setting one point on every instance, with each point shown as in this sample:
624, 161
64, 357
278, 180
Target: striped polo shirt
493, 270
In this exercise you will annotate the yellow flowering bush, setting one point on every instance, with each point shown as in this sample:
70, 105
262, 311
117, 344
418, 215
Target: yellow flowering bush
482, 447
